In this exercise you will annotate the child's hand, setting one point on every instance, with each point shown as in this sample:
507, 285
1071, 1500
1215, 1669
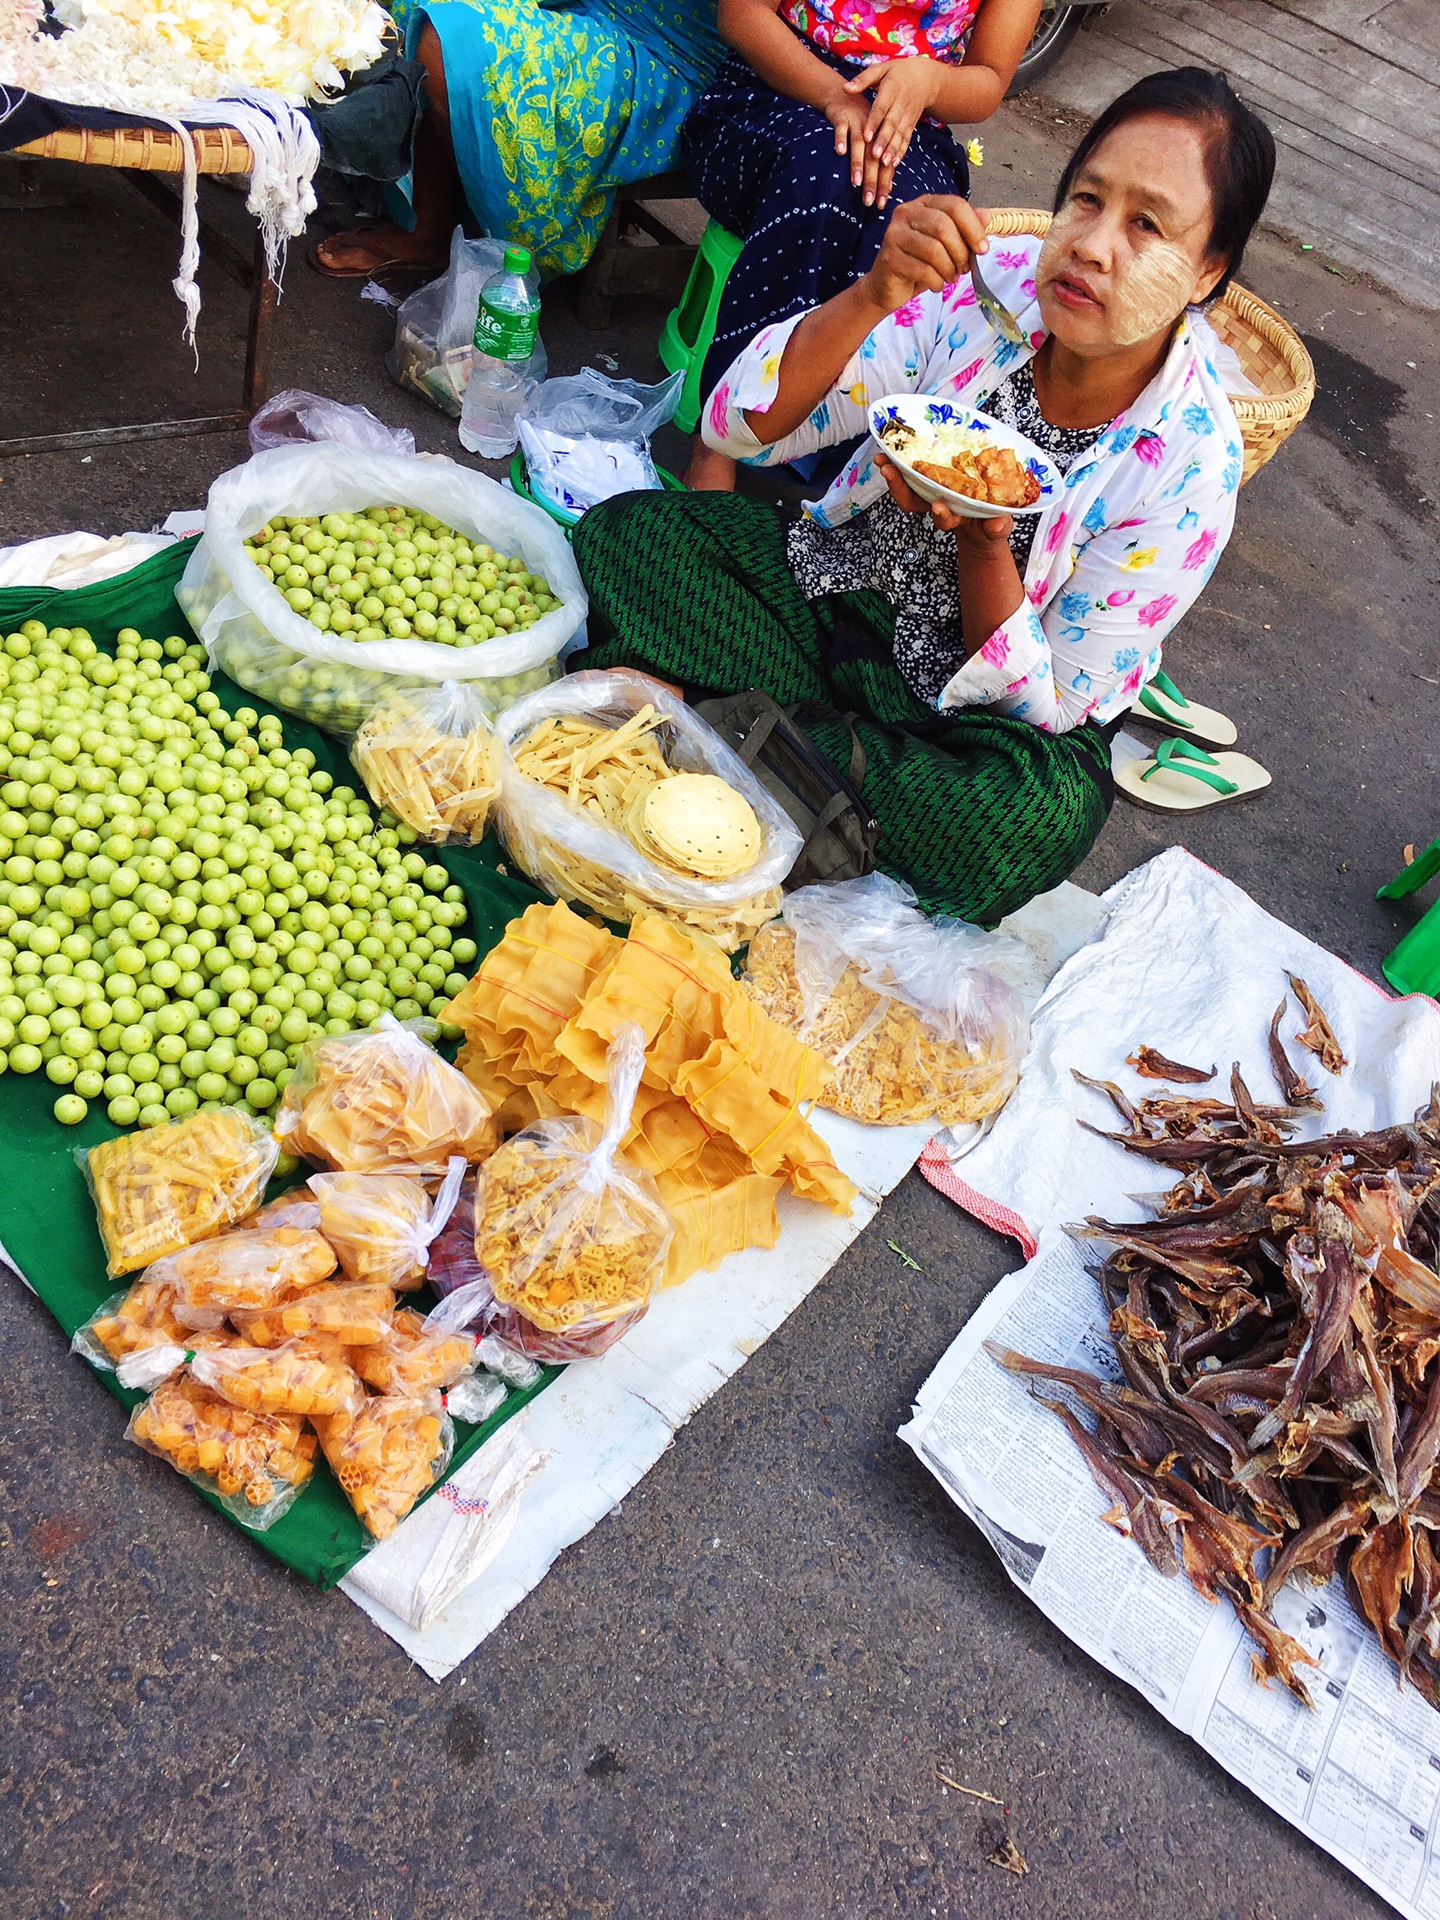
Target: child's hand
849, 117
904, 90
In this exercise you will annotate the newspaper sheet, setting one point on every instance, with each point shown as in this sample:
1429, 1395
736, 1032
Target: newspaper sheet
1360, 1775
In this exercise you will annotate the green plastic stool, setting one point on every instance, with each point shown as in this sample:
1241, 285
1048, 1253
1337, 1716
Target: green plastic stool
689, 329
1413, 966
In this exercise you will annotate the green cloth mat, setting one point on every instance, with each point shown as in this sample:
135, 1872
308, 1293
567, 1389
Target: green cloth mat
47, 1219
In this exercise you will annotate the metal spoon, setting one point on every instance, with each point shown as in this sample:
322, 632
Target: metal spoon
1000, 318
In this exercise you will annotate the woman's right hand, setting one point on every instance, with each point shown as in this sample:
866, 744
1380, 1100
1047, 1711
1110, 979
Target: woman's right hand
928, 243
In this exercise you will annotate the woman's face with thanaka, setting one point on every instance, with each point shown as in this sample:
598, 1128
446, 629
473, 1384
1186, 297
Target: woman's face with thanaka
1130, 248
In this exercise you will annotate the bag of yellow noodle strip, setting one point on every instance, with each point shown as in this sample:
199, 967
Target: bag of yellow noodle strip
428, 755
573, 1240
904, 1008
585, 813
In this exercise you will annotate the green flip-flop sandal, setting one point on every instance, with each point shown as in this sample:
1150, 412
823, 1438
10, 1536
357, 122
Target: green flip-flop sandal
1162, 705
1183, 778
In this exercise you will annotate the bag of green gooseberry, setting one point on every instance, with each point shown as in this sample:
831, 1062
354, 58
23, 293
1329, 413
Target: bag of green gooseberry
332, 649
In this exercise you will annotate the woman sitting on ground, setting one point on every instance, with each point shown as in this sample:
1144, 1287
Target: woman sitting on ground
827, 114
987, 661
535, 114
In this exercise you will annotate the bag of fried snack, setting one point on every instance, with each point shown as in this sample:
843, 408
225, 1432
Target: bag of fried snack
254, 1463
254, 1267
495, 1368
386, 1453
135, 1320
336, 1311
382, 1224
572, 1239
915, 1024
616, 794
429, 756
158, 1190
308, 1377
414, 1356
382, 1101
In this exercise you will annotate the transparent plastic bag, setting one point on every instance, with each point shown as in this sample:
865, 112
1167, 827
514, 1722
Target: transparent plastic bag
382, 1100
158, 1190
913, 1023
587, 437
295, 417
250, 1267
381, 1224
579, 858
474, 1308
350, 1316
415, 1356
570, 1237
306, 1377
387, 1453
452, 1252
250, 631
430, 757
137, 1319
435, 327
254, 1463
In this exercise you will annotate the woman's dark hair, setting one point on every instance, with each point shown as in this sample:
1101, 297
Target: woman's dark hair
1239, 150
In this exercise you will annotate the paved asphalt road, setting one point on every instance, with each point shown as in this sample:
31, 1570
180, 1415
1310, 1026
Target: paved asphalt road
732, 1698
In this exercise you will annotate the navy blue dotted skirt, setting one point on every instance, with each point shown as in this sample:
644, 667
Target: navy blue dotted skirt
765, 166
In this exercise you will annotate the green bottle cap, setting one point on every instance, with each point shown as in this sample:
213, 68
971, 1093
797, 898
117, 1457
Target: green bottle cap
517, 260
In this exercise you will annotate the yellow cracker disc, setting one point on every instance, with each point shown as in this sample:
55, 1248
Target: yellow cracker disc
699, 821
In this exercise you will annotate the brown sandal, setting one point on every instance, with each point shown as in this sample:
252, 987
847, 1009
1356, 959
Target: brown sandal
428, 268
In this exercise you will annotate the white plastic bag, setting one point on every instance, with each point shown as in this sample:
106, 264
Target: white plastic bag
903, 1007
435, 328
295, 418
251, 633
587, 437
576, 857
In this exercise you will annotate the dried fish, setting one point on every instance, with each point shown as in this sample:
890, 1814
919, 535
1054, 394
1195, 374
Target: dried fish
1297, 1091
1151, 1065
1319, 1035
1277, 1327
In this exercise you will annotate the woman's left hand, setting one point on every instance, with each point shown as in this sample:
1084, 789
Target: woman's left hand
904, 90
979, 537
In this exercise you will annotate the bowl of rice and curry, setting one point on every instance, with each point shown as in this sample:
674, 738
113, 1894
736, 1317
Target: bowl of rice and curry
975, 465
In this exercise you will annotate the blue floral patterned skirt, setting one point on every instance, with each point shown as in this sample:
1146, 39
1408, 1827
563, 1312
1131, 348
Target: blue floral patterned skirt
765, 167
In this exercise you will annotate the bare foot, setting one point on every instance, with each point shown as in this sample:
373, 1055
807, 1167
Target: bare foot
709, 472
368, 250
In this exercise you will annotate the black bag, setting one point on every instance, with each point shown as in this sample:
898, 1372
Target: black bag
839, 829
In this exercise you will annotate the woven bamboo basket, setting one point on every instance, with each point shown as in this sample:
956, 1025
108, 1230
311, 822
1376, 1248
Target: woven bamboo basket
149, 149
1271, 354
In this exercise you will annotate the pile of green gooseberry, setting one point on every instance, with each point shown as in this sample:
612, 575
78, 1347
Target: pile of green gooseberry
392, 573
183, 902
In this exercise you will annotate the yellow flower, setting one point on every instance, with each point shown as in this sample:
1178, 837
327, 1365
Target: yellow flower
859, 394
1142, 557
771, 368
975, 152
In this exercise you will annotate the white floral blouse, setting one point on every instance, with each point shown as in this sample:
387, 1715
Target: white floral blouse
1117, 558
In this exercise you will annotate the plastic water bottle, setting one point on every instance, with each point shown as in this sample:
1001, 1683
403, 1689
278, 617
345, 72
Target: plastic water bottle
507, 325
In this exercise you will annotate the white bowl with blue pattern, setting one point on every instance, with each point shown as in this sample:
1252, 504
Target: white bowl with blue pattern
923, 411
